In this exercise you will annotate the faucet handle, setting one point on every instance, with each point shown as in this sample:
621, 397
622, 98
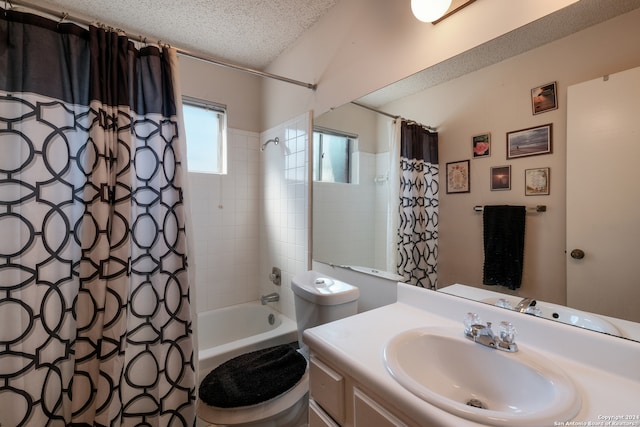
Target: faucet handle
504, 303
471, 319
507, 332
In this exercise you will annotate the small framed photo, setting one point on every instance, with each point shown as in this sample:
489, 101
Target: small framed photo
536, 182
501, 178
543, 98
481, 145
529, 142
458, 177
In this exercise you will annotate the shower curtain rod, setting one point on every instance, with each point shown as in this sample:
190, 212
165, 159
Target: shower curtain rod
65, 16
384, 113
375, 110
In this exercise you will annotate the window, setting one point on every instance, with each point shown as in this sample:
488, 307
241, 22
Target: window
206, 132
332, 155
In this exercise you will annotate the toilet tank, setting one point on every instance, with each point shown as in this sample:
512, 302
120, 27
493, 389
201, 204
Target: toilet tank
321, 299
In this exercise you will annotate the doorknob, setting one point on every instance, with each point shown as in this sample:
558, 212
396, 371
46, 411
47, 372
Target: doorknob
577, 254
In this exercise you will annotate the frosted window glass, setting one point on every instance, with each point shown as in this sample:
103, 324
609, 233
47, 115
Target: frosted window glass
206, 138
331, 157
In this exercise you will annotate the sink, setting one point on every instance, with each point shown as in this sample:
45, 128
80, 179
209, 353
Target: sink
478, 383
567, 315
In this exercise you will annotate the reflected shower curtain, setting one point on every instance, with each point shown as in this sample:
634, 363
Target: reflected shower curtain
94, 295
414, 162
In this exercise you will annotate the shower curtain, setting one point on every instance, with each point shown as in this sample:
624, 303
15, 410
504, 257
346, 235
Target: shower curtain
94, 291
414, 214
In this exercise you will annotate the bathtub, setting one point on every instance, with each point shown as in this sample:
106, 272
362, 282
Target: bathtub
228, 332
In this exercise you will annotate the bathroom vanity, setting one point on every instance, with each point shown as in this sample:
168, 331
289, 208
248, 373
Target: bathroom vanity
410, 364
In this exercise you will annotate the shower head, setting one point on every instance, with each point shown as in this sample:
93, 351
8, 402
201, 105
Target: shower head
275, 140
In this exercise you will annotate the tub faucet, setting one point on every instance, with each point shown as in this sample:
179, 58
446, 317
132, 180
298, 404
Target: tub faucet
525, 304
273, 297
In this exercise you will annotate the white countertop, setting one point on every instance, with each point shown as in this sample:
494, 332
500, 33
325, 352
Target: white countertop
605, 369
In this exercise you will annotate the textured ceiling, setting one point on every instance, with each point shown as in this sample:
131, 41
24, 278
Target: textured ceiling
250, 33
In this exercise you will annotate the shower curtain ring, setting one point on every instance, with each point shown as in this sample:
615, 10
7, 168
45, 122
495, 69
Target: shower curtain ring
65, 15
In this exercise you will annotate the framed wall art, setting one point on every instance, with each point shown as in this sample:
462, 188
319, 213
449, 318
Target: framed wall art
458, 177
544, 98
536, 182
481, 145
501, 178
529, 142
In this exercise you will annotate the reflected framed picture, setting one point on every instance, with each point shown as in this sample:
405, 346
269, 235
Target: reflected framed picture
544, 98
530, 142
458, 177
481, 145
501, 178
536, 181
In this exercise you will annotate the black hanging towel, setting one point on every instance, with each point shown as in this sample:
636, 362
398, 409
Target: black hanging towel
503, 228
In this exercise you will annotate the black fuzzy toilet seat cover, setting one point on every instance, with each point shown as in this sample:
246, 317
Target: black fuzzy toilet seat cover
253, 377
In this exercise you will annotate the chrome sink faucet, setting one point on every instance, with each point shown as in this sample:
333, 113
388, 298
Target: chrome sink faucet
273, 297
524, 305
483, 334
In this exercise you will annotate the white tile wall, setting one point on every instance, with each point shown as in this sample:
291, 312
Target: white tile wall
224, 212
284, 219
253, 218
350, 219
381, 210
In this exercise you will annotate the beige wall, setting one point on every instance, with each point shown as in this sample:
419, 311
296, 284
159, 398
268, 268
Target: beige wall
355, 120
351, 54
497, 100
240, 92
362, 45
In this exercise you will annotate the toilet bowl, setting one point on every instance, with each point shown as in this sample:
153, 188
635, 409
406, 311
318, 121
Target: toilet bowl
318, 299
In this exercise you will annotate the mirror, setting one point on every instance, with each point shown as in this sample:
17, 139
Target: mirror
350, 219
477, 93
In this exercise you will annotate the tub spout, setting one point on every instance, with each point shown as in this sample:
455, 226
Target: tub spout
273, 297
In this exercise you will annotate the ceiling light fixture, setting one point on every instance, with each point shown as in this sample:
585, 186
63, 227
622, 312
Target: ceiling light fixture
429, 10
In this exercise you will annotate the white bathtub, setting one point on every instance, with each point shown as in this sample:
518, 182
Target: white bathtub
228, 332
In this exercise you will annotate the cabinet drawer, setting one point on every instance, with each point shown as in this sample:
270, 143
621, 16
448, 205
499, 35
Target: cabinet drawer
368, 413
318, 418
327, 389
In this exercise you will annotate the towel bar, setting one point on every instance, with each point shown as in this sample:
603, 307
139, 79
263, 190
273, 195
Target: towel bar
537, 208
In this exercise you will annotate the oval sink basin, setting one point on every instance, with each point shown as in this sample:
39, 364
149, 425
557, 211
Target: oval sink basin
566, 315
478, 383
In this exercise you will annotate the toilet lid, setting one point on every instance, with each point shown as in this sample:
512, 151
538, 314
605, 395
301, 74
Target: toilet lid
253, 377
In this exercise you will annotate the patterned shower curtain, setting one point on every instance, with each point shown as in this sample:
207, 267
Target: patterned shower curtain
417, 211
95, 323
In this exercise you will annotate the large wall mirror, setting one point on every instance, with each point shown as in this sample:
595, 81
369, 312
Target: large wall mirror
487, 90
350, 218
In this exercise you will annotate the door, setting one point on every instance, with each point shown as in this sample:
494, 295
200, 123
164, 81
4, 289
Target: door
603, 195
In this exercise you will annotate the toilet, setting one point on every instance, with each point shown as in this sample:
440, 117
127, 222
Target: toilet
318, 299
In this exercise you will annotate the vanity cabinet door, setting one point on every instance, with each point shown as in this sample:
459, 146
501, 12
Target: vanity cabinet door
326, 387
318, 418
368, 413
